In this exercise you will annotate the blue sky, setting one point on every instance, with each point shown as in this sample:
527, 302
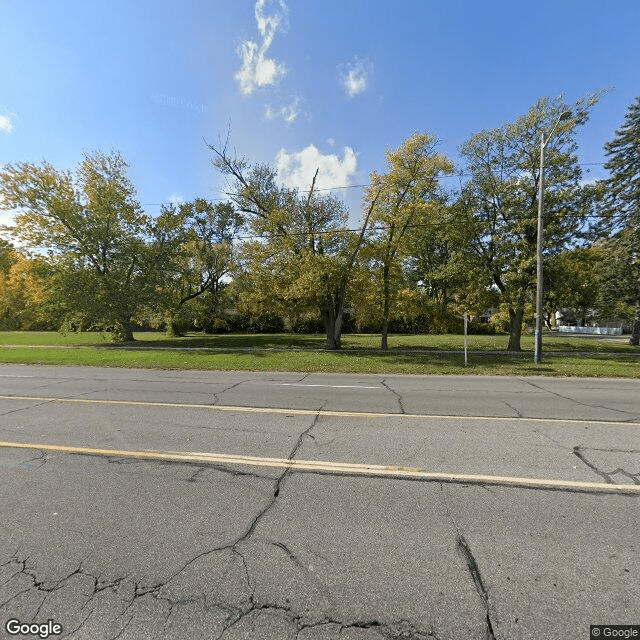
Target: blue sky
299, 83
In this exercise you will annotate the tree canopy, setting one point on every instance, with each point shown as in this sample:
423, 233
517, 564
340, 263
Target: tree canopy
83, 250
302, 256
498, 205
91, 221
621, 211
401, 200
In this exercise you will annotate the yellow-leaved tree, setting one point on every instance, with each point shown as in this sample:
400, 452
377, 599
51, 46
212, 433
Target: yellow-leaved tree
26, 291
402, 200
303, 257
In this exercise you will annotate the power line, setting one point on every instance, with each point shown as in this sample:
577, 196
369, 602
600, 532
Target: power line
423, 225
349, 186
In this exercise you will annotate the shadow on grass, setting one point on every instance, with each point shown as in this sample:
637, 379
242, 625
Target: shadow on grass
299, 347
477, 360
247, 342
359, 342
232, 341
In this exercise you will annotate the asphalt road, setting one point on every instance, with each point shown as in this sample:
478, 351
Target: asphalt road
164, 504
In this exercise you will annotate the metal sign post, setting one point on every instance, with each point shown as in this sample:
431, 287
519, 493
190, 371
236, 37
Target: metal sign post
465, 339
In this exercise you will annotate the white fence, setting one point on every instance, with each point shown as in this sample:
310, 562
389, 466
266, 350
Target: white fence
598, 331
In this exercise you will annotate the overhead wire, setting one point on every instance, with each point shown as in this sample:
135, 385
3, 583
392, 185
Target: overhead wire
342, 231
349, 186
375, 229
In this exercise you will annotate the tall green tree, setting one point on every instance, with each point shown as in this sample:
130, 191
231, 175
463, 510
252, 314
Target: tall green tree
405, 197
618, 276
499, 203
92, 224
621, 209
197, 242
435, 267
304, 258
573, 282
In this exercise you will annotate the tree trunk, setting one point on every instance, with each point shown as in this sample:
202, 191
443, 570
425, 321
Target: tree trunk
122, 331
337, 327
515, 327
634, 340
385, 308
332, 318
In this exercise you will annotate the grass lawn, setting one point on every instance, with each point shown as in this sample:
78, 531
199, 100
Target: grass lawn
427, 354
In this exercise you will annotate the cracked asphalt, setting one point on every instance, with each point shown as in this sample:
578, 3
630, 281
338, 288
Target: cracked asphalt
123, 547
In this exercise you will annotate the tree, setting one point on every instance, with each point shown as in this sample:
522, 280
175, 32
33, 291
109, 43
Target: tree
304, 257
92, 225
618, 276
401, 200
27, 292
573, 282
8, 256
197, 242
499, 203
436, 267
621, 207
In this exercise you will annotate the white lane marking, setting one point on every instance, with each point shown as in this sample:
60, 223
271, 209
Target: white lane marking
332, 386
4, 375
321, 412
342, 468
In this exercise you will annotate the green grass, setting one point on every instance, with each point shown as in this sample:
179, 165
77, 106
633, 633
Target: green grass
552, 342
563, 356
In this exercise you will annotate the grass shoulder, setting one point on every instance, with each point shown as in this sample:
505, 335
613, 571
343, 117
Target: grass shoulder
408, 354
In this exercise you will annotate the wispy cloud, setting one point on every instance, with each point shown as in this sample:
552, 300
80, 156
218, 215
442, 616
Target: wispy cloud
176, 198
289, 112
6, 122
257, 69
297, 169
354, 76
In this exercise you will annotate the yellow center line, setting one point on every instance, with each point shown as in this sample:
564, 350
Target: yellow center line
313, 412
341, 468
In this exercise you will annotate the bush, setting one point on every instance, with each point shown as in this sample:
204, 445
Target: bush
307, 324
477, 328
266, 323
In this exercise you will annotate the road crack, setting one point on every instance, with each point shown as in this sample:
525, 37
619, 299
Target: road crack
473, 568
395, 393
233, 386
579, 402
605, 475
577, 451
33, 406
516, 411
281, 478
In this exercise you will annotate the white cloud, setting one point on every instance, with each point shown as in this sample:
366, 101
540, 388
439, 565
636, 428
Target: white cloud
289, 112
6, 124
257, 69
298, 169
354, 76
176, 198
331, 142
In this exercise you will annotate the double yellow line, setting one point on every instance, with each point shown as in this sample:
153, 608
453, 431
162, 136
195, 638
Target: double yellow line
335, 468
319, 466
